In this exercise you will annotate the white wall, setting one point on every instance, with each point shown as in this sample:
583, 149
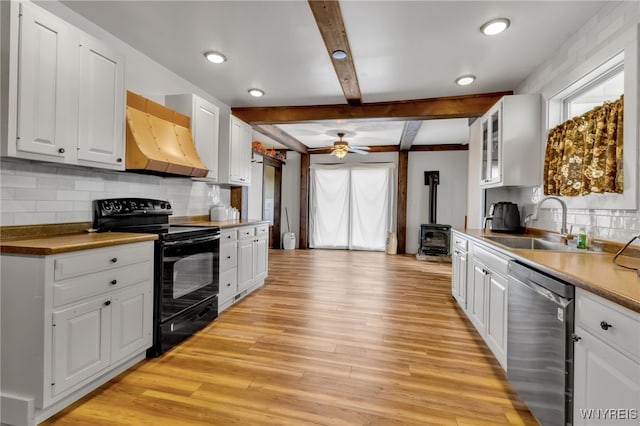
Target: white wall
614, 27
34, 192
452, 191
255, 190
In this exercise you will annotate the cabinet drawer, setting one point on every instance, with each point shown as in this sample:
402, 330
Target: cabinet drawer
594, 314
103, 259
247, 232
227, 236
228, 285
228, 256
494, 261
93, 284
459, 243
262, 230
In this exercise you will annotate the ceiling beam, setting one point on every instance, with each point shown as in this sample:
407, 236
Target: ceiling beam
328, 17
440, 147
409, 133
418, 109
282, 137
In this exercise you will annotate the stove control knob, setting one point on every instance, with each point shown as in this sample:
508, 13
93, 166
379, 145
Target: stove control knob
168, 206
163, 205
117, 206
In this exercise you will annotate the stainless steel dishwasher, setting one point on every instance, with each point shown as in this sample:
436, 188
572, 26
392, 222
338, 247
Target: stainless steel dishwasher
539, 343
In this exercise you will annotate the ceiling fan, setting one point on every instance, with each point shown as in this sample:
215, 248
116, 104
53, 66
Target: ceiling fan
340, 148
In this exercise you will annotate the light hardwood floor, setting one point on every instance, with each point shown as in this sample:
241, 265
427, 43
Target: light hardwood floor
333, 338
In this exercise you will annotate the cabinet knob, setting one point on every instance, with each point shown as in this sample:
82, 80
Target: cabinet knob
228, 284
114, 259
228, 257
575, 337
107, 303
114, 282
605, 325
61, 150
119, 160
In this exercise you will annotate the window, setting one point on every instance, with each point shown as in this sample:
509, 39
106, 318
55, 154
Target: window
606, 88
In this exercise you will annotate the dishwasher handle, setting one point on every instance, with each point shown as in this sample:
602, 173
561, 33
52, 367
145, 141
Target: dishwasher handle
537, 279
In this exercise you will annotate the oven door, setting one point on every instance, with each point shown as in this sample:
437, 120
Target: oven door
188, 274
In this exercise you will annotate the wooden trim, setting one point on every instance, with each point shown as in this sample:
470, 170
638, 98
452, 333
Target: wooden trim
418, 109
270, 161
441, 147
409, 133
403, 165
328, 17
303, 238
281, 136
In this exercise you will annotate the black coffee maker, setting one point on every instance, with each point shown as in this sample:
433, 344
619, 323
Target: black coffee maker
504, 217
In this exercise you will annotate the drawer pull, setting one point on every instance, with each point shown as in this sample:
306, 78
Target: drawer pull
114, 259
107, 303
605, 325
114, 282
575, 337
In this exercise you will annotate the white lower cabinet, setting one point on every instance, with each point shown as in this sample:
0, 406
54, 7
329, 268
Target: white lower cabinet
83, 318
243, 262
482, 293
606, 363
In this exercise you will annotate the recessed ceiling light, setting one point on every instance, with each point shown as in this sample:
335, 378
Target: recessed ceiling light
339, 55
215, 57
256, 92
495, 26
465, 80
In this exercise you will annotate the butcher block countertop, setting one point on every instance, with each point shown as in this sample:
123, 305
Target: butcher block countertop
204, 221
592, 271
71, 242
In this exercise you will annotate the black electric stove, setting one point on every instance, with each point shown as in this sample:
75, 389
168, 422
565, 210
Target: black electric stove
186, 280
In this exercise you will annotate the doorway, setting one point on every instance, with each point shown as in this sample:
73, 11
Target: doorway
271, 198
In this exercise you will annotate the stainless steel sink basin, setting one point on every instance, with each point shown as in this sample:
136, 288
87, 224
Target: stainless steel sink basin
531, 243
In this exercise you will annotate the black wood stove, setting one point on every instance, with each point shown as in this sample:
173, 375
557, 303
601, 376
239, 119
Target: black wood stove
435, 239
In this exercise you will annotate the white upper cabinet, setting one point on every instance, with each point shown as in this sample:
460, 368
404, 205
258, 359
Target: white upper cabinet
235, 154
511, 142
101, 104
70, 94
205, 121
46, 87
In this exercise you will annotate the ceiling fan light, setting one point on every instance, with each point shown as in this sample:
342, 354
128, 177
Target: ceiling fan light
340, 154
215, 57
495, 26
465, 80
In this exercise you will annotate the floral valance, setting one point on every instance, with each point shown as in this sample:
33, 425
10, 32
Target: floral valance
584, 154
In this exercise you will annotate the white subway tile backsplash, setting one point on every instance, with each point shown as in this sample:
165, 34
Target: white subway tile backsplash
34, 194
83, 216
17, 206
7, 219
66, 195
18, 181
54, 206
7, 193
89, 185
56, 182
31, 218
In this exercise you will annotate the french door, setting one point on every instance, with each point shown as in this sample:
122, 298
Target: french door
351, 206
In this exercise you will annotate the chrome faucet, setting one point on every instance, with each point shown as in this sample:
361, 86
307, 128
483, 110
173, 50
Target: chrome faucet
564, 234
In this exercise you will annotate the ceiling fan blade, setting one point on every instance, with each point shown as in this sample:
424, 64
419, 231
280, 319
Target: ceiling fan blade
361, 147
358, 151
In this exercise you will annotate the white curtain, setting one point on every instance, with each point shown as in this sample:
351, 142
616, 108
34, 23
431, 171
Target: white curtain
351, 206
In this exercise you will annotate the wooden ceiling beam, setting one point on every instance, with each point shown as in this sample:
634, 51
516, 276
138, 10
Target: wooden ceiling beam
328, 17
418, 109
282, 137
409, 133
440, 147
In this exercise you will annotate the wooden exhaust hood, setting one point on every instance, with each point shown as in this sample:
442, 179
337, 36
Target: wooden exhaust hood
159, 139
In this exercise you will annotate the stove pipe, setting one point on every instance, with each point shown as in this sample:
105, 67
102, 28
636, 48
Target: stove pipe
432, 179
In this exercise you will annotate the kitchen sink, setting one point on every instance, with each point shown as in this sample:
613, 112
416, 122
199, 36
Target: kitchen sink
532, 243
